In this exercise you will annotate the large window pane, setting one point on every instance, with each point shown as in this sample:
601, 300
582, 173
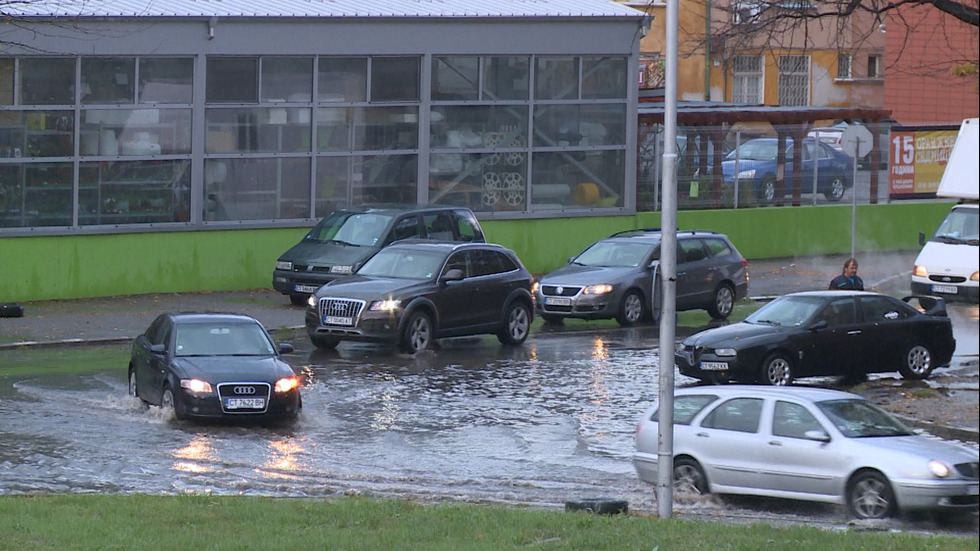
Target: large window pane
7, 81
138, 132
255, 129
166, 80
579, 125
48, 134
342, 79
47, 195
256, 189
556, 78
604, 77
287, 79
505, 78
478, 126
367, 128
576, 179
232, 80
47, 81
482, 182
11, 195
134, 192
395, 78
385, 179
333, 180
107, 80
455, 78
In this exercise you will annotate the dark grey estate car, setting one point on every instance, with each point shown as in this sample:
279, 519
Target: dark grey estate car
416, 291
614, 278
346, 238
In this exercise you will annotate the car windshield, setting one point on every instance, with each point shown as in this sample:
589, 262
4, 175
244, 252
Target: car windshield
403, 264
961, 226
222, 339
856, 418
755, 151
362, 229
615, 254
787, 310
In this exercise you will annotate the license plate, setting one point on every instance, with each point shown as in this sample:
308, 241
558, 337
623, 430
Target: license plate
305, 288
714, 366
948, 289
244, 403
558, 301
337, 320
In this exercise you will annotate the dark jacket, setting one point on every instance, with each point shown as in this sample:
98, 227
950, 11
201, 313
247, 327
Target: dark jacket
844, 283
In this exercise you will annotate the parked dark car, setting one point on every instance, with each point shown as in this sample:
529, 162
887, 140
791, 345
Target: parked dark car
346, 238
811, 444
757, 169
614, 278
847, 333
416, 291
211, 365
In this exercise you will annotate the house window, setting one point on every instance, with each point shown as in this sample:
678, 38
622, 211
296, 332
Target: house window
744, 13
874, 66
794, 80
844, 66
747, 79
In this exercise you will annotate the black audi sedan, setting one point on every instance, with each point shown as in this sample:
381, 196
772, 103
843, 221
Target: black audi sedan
212, 365
846, 333
416, 291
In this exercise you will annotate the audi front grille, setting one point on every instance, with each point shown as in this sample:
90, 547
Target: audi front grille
340, 308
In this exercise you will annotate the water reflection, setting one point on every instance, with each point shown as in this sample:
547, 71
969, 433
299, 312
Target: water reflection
194, 456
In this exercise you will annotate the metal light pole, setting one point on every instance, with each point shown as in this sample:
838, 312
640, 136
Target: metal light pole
668, 278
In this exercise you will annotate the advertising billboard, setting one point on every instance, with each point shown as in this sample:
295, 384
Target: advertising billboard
918, 158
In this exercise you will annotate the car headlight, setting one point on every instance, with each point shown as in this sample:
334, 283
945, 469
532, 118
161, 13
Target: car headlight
311, 302
388, 305
725, 352
196, 386
286, 384
338, 269
921, 271
975, 276
535, 286
599, 289
746, 174
940, 469
284, 265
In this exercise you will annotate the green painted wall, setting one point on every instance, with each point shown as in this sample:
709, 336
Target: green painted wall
80, 266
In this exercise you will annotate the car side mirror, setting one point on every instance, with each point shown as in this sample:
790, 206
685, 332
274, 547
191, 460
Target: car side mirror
818, 435
453, 275
160, 349
922, 239
822, 324
285, 348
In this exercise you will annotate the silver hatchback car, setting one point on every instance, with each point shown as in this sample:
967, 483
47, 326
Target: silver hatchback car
810, 444
615, 278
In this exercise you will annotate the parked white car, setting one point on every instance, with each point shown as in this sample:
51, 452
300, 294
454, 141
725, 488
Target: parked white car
809, 444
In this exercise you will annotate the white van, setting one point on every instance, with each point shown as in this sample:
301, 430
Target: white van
949, 263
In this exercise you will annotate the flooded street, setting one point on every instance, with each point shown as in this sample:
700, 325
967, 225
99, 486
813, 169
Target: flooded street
535, 425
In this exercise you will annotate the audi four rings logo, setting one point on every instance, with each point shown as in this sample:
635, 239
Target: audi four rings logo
244, 390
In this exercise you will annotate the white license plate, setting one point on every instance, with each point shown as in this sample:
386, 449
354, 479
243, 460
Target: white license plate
244, 403
305, 288
337, 320
948, 289
558, 301
714, 366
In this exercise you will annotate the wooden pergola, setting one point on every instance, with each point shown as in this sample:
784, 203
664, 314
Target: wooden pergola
713, 121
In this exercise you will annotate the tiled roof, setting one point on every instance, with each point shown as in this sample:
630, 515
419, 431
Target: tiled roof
321, 8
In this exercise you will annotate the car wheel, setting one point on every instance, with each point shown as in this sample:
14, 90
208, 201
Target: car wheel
917, 364
631, 309
298, 300
767, 193
169, 401
723, 302
133, 389
517, 324
689, 477
324, 343
417, 335
836, 190
776, 370
870, 496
